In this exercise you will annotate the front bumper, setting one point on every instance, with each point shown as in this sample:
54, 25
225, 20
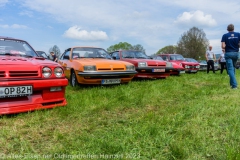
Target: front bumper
97, 77
148, 72
41, 98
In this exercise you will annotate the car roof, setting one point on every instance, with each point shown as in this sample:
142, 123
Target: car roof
3, 37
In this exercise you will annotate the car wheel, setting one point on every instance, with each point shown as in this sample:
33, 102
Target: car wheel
73, 80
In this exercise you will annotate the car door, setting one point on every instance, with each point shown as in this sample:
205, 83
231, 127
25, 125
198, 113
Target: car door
64, 61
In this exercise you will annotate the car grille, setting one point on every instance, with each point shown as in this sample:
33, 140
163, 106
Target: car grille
2, 73
109, 69
192, 67
19, 74
154, 65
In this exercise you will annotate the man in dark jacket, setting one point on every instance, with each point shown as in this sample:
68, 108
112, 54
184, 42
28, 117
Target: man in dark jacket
230, 42
54, 56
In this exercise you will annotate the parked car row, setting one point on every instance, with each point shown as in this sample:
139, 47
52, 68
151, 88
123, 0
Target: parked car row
30, 81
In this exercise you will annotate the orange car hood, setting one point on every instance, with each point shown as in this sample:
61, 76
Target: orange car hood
101, 62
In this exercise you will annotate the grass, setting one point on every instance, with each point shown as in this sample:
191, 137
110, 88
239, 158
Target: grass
192, 116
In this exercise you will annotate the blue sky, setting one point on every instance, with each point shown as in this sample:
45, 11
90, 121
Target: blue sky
101, 23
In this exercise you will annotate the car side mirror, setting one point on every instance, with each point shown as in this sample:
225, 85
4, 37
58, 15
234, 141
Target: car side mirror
114, 57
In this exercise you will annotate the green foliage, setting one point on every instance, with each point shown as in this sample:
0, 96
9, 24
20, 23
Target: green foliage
171, 49
192, 116
193, 43
125, 46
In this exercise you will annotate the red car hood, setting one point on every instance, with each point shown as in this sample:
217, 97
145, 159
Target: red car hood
14, 60
150, 62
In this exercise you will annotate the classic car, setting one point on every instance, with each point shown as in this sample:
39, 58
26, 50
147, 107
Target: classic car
190, 67
28, 82
92, 65
145, 67
174, 68
43, 54
203, 65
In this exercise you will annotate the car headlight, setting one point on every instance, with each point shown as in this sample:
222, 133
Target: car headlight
169, 64
130, 68
198, 66
89, 68
142, 64
186, 66
58, 72
46, 72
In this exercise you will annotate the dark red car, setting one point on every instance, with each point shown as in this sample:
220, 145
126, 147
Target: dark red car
190, 67
27, 81
146, 67
175, 69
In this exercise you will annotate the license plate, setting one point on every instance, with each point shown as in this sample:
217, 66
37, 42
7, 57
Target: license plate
15, 91
111, 81
182, 71
193, 70
158, 70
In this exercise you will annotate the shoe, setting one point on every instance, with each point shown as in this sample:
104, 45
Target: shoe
234, 88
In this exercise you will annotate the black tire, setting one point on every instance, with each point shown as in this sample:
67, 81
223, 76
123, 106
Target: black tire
73, 79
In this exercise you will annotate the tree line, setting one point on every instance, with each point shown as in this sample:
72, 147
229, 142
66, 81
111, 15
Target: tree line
192, 43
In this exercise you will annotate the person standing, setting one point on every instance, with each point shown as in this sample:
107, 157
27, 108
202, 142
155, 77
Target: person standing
54, 56
210, 58
222, 61
230, 43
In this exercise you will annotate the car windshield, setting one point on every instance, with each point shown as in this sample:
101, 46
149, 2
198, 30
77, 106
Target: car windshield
42, 54
134, 54
191, 60
177, 57
84, 52
16, 48
158, 58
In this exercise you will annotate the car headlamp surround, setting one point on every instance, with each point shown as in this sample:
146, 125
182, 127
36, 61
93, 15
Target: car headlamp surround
46, 72
58, 72
142, 64
130, 67
169, 64
89, 68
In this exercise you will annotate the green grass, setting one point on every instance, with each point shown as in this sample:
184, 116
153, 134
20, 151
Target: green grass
192, 116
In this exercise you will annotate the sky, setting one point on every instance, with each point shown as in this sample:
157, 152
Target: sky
153, 24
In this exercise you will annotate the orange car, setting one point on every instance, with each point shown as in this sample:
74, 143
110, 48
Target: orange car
90, 65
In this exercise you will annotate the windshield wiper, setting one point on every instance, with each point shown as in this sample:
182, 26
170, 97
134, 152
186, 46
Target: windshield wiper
128, 57
28, 56
141, 57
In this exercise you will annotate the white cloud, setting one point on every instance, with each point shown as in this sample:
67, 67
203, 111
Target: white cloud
197, 18
14, 26
76, 32
3, 2
26, 13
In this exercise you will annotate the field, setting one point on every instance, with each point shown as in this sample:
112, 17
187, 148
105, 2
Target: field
192, 116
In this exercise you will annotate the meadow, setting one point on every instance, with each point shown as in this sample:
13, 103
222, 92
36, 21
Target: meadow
192, 116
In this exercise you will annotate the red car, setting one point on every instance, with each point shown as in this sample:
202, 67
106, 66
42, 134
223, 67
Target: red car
146, 67
190, 67
27, 81
175, 69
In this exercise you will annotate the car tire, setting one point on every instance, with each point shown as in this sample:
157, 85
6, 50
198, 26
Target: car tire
73, 79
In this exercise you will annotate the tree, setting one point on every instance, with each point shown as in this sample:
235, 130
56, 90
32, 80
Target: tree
56, 50
193, 43
171, 49
138, 47
125, 46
